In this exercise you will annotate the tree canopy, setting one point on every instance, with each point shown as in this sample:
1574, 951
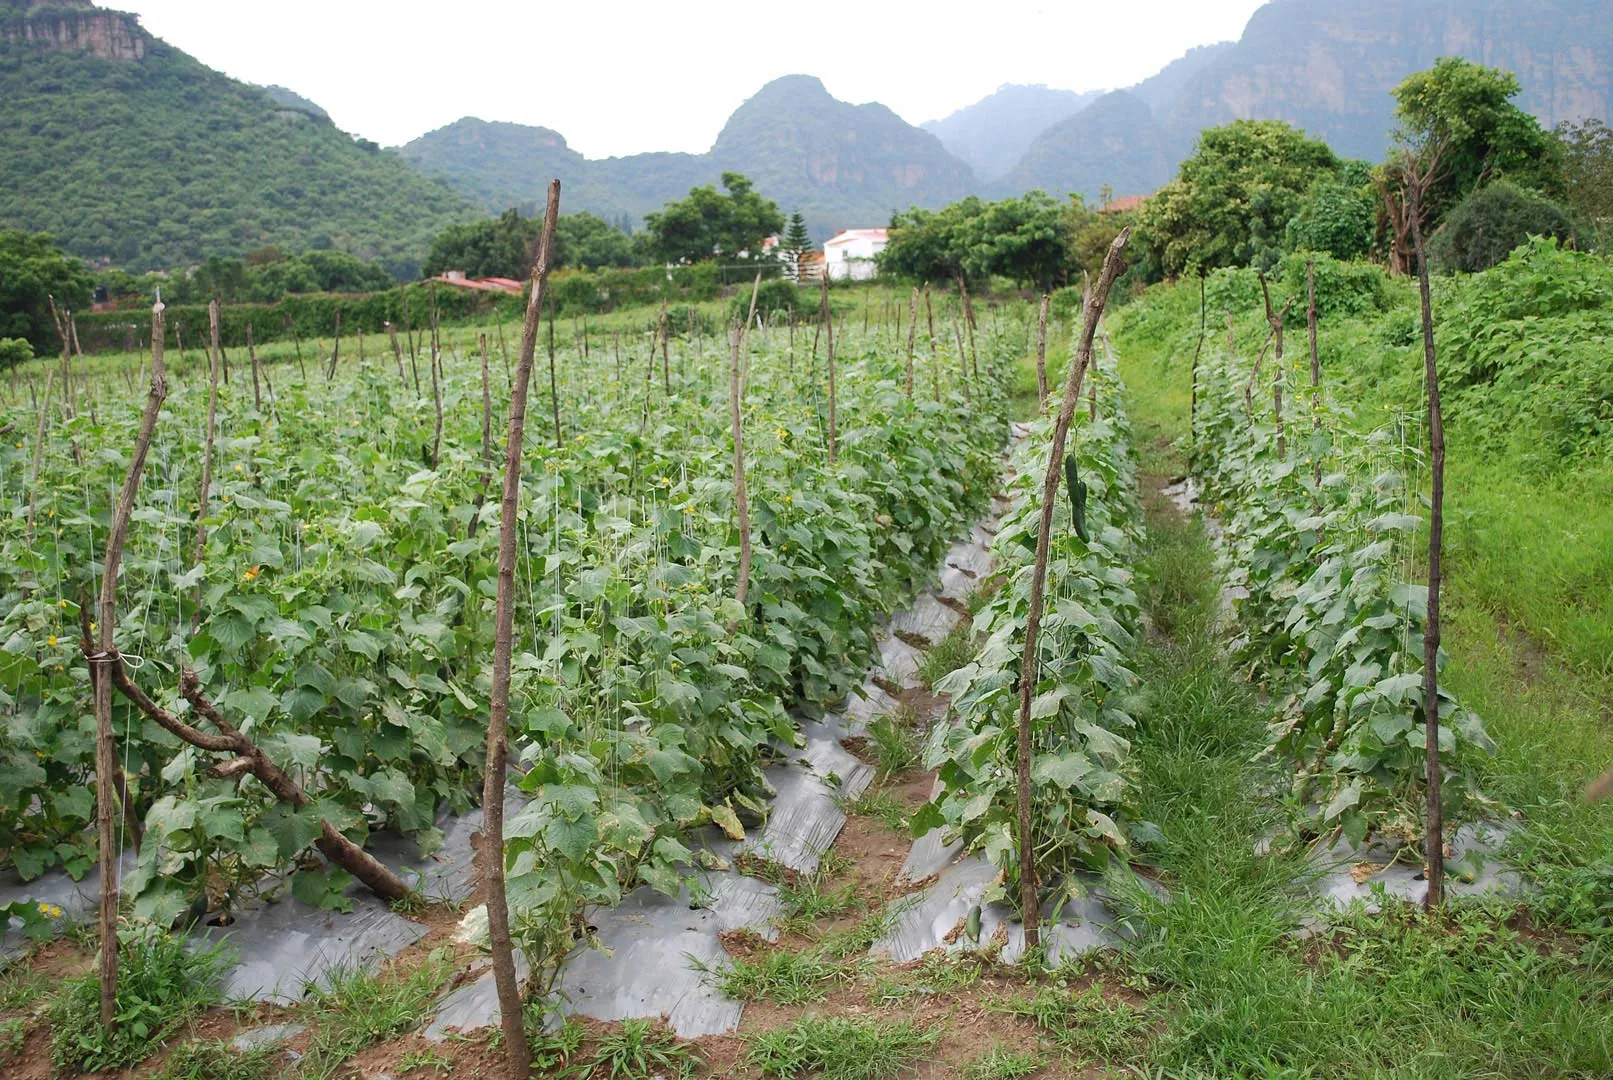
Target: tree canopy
506, 245
1232, 200
1025, 239
708, 224
1466, 110
32, 270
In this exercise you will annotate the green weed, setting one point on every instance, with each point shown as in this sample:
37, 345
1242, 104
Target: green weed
781, 976
13, 1033
638, 1050
20, 988
357, 1009
217, 1060
880, 805
425, 1061
808, 901
1083, 1023
1002, 1064
948, 655
162, 983
894, 741
837, 1048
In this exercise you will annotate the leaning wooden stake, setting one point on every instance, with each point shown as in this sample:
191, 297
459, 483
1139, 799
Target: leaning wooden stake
1041, 354
436, 386
1096, 300
935, 351
554, 383
1434, 837
336, 348
39, 451
397, 352
207, 452
969, 322
498, 911
1275, 318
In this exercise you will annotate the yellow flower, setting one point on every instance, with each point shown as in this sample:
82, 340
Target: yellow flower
251, 574
61, 604
783, 434
92, 628
789, 499
240, 468
51, 640
50, 909
19, 444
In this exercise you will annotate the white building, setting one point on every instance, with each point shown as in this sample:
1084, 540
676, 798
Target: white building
849, 256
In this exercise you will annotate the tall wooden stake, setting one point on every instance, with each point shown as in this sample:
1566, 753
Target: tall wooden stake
935, 351
829, 335
912, 331
252, 358
106, 763
1434, 837
736, 416
1096, 300
519, 1054
207, 452
1041, 354
554, 384
1316, 368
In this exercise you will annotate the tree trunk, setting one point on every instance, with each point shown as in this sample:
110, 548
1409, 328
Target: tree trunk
1096, 300
498, 912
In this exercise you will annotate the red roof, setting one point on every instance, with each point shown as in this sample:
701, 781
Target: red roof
493, 284
1125, 204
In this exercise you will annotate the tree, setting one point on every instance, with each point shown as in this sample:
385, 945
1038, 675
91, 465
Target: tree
1233, 198
1337, 215
1491, 223
1587, 154
493, 247
1466, 109
797, 242
1025, 239
32, 270
591, 242
929, 245
337, 271
707, 224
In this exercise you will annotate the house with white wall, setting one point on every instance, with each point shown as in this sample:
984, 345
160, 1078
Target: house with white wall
849, 255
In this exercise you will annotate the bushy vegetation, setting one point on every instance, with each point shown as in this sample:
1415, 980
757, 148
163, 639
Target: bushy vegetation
32, 270
506, 245
1026, 239
708, 224
82, 134
1491, 223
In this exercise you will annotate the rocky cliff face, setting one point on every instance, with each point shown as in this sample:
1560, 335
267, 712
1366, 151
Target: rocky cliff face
76, 26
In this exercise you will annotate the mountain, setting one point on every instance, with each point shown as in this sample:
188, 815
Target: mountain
1328, 68
1113, 142
841, 165
132, 152
993, 134
290, 99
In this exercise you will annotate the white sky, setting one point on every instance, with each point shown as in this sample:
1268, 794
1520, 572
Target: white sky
638, 75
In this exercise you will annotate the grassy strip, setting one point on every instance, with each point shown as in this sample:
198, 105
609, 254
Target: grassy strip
1239, 993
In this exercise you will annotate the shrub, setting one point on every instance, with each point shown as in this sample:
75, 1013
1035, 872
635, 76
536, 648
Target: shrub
1491, 223
14, 351
777, 296
1335, 217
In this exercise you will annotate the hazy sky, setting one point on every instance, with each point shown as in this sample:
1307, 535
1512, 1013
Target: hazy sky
631, 76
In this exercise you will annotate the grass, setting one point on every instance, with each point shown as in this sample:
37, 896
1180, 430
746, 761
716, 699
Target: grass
782, 976
1083, 1023
838, 1048
1003, 1064
357, 1009
638, 1050
947, 655
936, 973
162, 984
424, 1061
881, 805
893, 740
217, 1060
809, 900
20, 987
13, 1033
1237, 993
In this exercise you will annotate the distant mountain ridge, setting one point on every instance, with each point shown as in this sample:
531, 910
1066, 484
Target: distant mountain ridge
992, 135
842, 165
1328, 68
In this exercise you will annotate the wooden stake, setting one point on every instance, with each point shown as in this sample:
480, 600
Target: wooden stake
498, 911
1041, 353
1276, 320
397, 353
1097, 298
252, 358
554, 383
912, 332
1316, 370
1434, 837
106, 764
408, 336
207, 452
336, 348
935, 354
736, 416
436, 386
39, 452
829, 333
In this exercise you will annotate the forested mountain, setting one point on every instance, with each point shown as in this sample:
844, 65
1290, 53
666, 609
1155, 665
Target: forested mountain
842, 165
993, 134
1329, 68
131, 151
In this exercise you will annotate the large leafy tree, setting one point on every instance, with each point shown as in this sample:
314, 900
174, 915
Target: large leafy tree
929, 245
1466, 110
506, 245
1587, 152
708, 224
1026, 239
584, 240
1337, 215
32, 270
1232, 200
